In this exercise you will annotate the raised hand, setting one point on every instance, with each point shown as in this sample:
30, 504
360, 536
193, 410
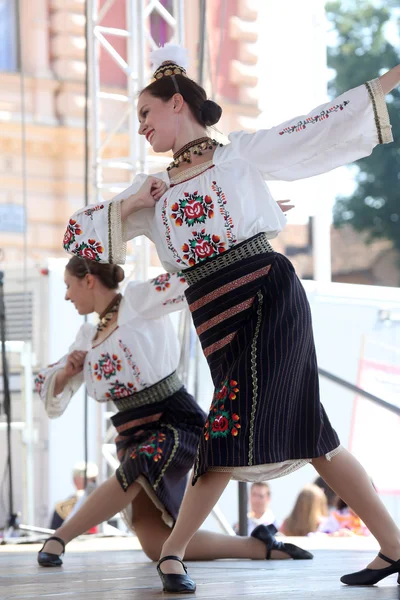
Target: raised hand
151, 191
284, 206
75, 362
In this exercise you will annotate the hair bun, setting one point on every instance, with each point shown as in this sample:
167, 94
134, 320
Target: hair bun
210, 112
119, 274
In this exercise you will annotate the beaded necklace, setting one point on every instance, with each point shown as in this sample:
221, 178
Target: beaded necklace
106, 316
197, 146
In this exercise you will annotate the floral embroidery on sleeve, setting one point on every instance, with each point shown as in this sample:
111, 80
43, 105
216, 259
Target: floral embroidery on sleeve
73, 229
221, 421
39, 381
192, 209
162, 282
89, 212
202, 246
177, 300
90, 250
324, 114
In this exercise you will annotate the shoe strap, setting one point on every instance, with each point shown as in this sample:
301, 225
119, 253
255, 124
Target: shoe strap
171, 558
56, 539
387, 559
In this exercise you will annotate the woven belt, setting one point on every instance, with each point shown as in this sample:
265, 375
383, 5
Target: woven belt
258, 244
155, 393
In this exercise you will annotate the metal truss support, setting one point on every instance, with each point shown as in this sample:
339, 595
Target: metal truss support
139, 42
139, 14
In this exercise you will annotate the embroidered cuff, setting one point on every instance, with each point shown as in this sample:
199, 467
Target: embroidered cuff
382, 121
56, 405
116, 244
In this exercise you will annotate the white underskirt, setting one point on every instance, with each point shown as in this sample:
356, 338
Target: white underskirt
272, 470
126, 514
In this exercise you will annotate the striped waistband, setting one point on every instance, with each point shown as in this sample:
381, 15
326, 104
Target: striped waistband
155, 393
258, 244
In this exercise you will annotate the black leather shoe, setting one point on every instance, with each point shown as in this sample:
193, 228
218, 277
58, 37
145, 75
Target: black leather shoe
45, 559
177, 584
263, 534
372, 576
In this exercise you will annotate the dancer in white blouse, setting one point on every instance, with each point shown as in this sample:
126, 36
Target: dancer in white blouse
130, 358
214, 223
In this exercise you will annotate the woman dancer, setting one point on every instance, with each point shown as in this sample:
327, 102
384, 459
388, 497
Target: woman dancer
250, 311
130, 358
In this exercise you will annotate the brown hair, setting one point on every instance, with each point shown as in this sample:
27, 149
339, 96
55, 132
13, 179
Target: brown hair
109, 275
206, 112
305, 517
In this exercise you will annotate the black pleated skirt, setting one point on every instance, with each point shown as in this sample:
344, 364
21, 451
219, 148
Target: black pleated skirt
254, 324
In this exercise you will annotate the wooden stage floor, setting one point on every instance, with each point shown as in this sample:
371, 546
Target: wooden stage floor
112, 569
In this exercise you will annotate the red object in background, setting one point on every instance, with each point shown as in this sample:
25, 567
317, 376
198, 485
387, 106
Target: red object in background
93, 530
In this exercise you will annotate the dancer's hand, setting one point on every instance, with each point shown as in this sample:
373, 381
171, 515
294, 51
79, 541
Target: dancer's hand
75, 362
148, 195
284, 206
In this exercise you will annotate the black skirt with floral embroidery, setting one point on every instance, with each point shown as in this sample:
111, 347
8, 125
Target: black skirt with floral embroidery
253, 320
157, 445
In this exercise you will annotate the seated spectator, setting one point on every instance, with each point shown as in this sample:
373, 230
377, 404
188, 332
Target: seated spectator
310, 510
329, 493
64, 508
260, 511
343, 522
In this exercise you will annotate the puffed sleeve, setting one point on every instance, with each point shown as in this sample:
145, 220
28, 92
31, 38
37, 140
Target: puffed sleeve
157, 297
333, 134
96, 232
45, 380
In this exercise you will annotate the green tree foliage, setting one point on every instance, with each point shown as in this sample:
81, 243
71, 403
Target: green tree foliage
361, 52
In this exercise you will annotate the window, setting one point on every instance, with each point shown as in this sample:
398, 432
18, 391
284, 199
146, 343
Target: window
8, 36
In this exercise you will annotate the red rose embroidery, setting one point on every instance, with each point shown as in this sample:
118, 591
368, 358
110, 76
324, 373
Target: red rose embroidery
220, 423
67, 237
222, 393
108, 367
203, 249
194, 210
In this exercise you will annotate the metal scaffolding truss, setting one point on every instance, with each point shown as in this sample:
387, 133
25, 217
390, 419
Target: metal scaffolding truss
139, 41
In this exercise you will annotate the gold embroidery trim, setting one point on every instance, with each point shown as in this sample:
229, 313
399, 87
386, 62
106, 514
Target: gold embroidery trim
116, 244
254, 377
124, 479
381, 115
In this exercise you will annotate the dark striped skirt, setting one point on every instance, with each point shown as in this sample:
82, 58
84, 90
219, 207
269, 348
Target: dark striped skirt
253, 320
157, 444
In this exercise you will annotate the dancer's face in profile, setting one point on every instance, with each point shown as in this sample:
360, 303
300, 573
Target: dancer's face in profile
80, 292
158, 120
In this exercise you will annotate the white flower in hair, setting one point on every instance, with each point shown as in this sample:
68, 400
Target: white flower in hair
170, 52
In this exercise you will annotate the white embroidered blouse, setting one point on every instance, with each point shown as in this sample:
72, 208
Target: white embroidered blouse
230, 201
141, 351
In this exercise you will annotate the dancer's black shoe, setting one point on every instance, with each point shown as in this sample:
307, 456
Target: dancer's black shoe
372, 576
262, 533
45, 559
177, 584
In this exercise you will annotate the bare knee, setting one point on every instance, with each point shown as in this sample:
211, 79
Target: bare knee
151, 550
